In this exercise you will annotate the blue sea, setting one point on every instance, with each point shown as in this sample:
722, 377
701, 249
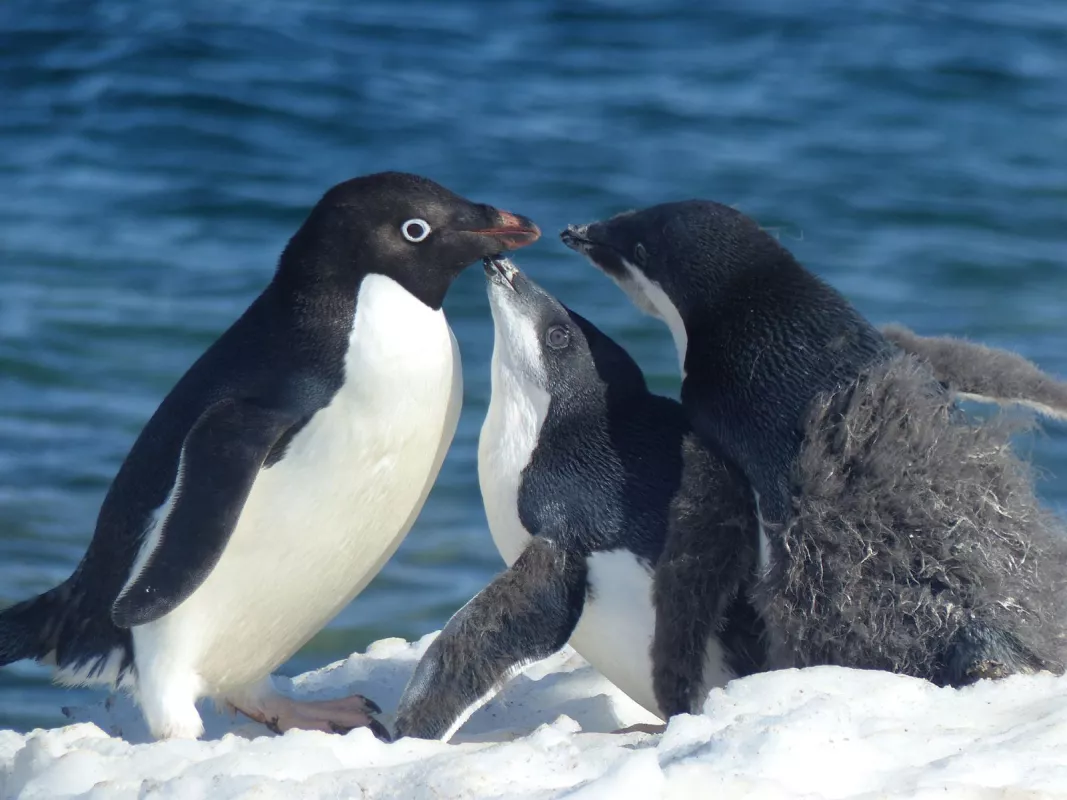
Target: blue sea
156, 156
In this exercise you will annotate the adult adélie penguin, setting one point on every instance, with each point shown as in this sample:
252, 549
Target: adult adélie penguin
897, 533
282, 470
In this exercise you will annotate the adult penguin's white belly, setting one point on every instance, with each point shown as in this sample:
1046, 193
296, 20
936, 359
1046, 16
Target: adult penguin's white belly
321, 522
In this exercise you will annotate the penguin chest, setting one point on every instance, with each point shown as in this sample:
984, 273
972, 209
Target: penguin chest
618, 624
517, 410
321, 522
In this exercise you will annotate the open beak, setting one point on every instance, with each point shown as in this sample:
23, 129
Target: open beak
510, 231
500, 270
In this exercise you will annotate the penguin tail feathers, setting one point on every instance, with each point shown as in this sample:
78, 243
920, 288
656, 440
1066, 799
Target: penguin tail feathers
25, 628
985, 374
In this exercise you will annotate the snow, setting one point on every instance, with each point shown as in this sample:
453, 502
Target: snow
815, 733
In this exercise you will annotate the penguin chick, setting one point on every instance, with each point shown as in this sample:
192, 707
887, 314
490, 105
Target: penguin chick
592, 486
895, 533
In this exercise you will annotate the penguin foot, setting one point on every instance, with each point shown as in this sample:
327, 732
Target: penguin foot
643, 727
280, 714
988, 670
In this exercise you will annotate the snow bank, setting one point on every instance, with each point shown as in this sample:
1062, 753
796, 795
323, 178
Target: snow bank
823, 732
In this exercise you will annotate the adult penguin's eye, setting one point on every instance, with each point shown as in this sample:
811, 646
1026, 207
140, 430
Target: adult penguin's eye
415, 230
640, 254
557, 337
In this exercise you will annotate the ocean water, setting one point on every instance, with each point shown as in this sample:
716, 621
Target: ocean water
155, 157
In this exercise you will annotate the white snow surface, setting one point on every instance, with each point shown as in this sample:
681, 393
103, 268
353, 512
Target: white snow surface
824, 732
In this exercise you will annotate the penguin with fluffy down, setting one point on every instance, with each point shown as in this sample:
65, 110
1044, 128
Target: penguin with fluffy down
896, 532
595, 491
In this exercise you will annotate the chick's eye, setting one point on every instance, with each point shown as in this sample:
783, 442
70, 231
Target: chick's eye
415, 230
640, 254
557, 337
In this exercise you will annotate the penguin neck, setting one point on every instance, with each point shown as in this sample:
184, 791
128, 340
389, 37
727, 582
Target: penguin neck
774, 322
314, 282
321, 280
310, 267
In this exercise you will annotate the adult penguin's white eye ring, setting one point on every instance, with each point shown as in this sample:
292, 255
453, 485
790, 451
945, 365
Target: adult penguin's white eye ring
557, 337
415, 230
640, 254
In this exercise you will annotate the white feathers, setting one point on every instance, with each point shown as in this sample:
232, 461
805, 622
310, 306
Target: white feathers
764, 542
517, 410
650, 298
105, 670
716, 671
153, 535
320, 523
1034, 405
618, 622
658, 304
514, 671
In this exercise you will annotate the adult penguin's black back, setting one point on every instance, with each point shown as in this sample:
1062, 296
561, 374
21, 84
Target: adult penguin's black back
900, 534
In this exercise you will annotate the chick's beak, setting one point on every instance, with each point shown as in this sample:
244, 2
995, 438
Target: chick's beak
500, 270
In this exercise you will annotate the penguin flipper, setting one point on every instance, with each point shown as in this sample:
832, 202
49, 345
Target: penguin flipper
220, 459
526, 614
985, 374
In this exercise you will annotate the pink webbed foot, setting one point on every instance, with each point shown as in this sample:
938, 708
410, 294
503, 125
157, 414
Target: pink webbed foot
281, 713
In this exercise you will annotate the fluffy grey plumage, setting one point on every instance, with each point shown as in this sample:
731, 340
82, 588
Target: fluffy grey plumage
702, 582
978, 372
916, 543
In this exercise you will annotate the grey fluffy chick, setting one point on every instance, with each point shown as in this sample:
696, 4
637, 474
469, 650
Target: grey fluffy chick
916, 542
899, 533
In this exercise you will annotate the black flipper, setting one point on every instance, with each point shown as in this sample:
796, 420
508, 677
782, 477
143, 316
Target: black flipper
701, 582
987, 374
221, 457
526, 614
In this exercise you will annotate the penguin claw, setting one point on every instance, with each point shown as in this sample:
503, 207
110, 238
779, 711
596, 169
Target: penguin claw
377, 728
331, 716
380, 731
643, 727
